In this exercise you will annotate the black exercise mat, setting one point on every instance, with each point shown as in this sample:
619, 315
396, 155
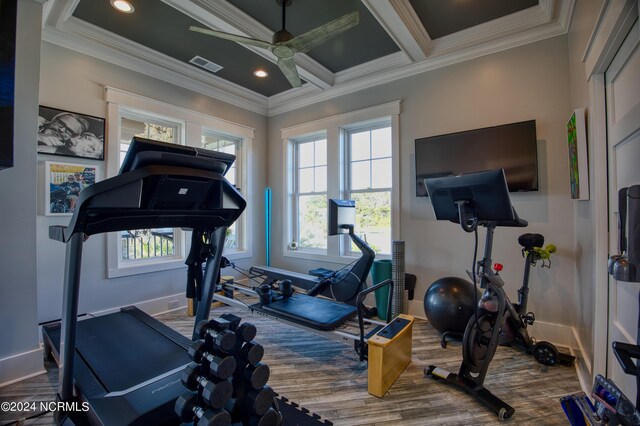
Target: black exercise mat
294, 415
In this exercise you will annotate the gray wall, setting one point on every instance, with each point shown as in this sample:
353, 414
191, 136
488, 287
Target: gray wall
75, 82
530, 82
18, 279
582, 23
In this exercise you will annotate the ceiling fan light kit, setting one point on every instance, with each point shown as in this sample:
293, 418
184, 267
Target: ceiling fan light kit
284, 44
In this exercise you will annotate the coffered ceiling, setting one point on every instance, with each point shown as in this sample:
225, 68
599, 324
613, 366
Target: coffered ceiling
393, 39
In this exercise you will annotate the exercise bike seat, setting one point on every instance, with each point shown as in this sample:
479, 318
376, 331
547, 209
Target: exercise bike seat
529, 241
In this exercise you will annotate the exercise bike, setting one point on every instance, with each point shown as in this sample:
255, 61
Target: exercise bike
514, 329
482, 199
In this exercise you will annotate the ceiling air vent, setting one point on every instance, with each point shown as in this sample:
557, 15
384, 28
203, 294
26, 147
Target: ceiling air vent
206, 64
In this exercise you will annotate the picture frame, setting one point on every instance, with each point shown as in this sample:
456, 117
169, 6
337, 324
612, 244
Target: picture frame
60, 190
70, 134
578, 156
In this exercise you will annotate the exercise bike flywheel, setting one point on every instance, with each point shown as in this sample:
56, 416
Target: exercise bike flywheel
476, 350
545, 353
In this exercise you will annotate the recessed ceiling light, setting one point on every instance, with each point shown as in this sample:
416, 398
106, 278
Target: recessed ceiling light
122, 5
260, 73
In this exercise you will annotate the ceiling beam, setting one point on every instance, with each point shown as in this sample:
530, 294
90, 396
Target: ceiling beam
223, 16
400, 21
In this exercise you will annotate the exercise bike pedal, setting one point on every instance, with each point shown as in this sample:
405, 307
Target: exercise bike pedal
529, 318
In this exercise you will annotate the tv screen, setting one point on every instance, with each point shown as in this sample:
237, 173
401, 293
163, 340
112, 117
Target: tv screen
511, 147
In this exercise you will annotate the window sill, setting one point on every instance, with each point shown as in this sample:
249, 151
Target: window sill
145, 268
237, 255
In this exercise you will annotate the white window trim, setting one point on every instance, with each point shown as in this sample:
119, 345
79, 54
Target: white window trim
334, 127
118, 100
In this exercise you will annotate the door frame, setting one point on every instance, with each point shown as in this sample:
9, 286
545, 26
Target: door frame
613, 24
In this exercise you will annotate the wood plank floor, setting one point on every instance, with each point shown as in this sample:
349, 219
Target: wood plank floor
326, 377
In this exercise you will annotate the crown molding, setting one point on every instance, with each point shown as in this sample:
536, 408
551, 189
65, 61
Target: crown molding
279, 105
549, 19
93, 41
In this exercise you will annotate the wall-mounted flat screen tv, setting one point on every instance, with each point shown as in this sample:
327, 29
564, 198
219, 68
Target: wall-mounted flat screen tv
511, 147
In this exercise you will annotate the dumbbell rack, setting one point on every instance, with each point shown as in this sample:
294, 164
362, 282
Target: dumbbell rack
227, 380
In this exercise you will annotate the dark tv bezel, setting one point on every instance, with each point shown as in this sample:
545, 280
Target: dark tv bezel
335, 205
454, 173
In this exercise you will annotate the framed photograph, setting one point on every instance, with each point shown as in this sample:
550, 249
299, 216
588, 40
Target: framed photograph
63, 184
578, 159
70, 134
8, 12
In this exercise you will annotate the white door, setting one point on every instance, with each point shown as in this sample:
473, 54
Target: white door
623, 144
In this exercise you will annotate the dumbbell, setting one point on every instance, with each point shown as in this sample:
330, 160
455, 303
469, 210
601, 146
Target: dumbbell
187, 409
217, 335
251, 352
258, 401
270, 418
214, 393
219, 367
257, 375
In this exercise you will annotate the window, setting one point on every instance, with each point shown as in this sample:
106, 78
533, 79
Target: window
231, 145
310, 194
349, 156
369, 173
150, 250
140, 245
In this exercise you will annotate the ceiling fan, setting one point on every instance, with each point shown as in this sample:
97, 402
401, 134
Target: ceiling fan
284, 45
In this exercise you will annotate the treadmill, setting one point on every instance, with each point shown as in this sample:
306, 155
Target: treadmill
125, 366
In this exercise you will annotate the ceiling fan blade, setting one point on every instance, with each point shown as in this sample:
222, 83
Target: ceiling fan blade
289, 70
233, 37
317, 36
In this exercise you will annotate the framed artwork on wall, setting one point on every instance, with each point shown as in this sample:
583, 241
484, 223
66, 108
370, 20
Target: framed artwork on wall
63, 184
578, 159
8, 13
70, 134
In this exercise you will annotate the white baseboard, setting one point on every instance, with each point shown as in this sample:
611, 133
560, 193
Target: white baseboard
21, 366
154, 306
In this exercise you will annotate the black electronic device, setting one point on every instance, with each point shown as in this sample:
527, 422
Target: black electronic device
144, 152
480, 196
512, 147
341, 217
127, 365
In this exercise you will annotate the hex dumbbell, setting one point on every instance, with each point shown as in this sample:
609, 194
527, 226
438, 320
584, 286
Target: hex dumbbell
221, 367
251, 353
187, 409
217, 335
271, 418
214, 393
258, 401
257, 375
245, 332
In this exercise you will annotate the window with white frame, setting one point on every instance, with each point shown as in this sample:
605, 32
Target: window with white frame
129, 115
356, 157
310, 193
231, 145
368, 183
148, 245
